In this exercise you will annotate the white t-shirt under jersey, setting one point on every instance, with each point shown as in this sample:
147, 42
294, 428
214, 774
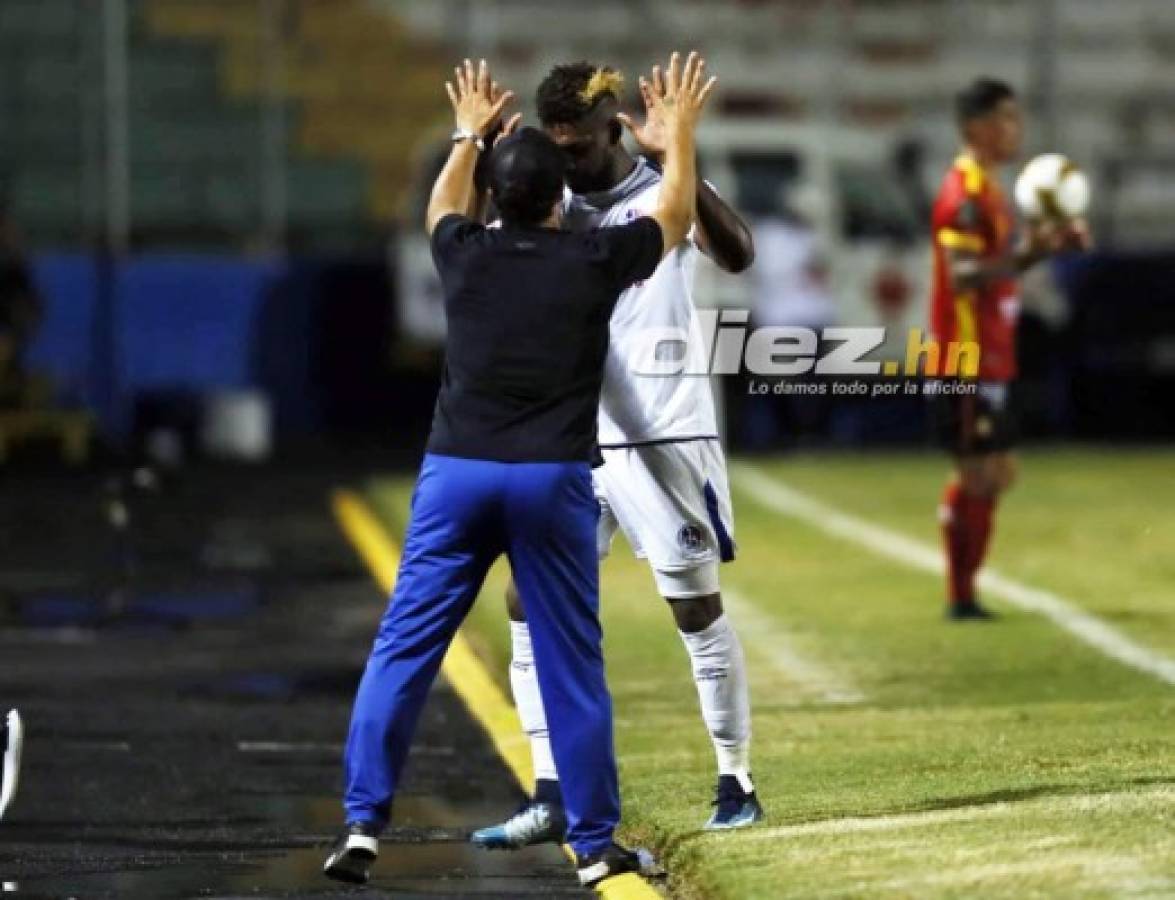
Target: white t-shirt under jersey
636, 408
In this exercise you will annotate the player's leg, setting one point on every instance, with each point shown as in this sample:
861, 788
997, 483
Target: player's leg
541, 818
528, 699
674, 502
449, 546
11, 746
551, 520
978, 431
999, 476
967, 488
720, 676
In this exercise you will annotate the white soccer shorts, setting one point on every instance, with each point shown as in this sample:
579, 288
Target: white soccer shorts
672, 501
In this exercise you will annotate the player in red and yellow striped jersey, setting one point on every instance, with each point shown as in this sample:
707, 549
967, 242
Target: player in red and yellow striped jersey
977, 260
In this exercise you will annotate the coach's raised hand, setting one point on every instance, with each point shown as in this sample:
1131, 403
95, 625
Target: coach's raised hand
675, 101
477, 100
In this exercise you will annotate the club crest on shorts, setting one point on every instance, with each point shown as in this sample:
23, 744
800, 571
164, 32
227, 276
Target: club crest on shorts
691, 539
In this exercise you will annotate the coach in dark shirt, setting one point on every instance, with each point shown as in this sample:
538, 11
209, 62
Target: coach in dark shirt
528, 310
508, 467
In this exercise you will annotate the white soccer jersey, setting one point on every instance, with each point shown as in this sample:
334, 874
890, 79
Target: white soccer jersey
637, 408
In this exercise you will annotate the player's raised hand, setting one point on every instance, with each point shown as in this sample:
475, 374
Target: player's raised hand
509, 128
1042, 238
649, 134
676, 98
1078, 236
477, 99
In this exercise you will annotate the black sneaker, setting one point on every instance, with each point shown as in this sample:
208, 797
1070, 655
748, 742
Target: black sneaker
11, 744
970, 610
734, 807
616, 860
353, 853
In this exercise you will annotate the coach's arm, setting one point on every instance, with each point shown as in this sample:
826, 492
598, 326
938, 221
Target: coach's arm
677, 102
477, 107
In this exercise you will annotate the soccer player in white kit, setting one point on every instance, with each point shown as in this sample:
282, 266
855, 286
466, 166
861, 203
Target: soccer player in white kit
663, 481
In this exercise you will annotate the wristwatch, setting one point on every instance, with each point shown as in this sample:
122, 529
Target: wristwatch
464, 134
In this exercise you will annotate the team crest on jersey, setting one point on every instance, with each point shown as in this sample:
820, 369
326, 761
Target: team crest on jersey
691, 539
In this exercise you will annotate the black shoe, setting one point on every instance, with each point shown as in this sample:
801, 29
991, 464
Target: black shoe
11, 744
733, 806
615, 860
353, 853
969, 610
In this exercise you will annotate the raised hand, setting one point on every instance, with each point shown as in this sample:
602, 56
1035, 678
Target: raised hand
674, 103
477, 99
509, 128
1077, 235
675, 100
650, 134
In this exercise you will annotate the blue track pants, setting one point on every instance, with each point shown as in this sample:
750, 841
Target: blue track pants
465, 513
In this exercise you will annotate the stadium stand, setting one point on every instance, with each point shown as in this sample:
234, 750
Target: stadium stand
197, 85
199, 81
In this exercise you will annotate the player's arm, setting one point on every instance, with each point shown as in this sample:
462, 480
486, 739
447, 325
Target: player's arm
678, 99
721, 233
475, 110
1042, 239
969, 270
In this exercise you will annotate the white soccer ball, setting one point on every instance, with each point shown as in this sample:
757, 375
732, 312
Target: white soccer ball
1052, 187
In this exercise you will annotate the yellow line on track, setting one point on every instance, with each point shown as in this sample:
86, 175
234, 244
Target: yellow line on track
465, 672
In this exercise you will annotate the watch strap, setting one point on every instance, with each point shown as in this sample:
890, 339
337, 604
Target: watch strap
464, 134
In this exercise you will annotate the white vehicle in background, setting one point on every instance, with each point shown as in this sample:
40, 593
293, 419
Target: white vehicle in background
868, 229
845, 186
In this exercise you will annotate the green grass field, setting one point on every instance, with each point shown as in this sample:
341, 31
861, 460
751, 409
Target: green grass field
900, 755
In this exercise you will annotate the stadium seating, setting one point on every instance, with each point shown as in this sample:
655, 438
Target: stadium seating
362, 103
353, 76
888, 66
198, 88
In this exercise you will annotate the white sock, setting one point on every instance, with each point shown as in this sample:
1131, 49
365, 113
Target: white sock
720, 673
524, 684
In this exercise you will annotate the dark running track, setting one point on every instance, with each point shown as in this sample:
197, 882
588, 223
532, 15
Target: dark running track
186, 694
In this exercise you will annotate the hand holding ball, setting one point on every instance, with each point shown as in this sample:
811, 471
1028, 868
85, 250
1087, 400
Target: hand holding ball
1052, 193
1051, 186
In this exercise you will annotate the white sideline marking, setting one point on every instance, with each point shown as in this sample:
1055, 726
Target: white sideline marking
758, 629
1110, 800
787, 501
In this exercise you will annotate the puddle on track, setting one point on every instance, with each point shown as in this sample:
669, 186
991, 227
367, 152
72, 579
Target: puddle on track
425, 853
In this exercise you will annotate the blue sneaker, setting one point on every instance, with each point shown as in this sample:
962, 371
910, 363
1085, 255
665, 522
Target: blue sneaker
535, 822
734, 807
